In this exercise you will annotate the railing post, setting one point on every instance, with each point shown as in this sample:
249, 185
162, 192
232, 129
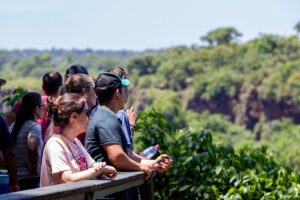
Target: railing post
147, 190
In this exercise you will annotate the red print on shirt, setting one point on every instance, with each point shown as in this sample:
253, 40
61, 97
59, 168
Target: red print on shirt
82, 163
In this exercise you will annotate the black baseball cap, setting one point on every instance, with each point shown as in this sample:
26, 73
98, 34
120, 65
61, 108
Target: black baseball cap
110, 81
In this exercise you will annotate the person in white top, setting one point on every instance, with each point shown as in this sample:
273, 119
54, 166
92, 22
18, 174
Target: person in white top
64, 157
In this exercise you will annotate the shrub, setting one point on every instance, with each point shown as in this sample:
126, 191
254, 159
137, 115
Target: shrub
203, 170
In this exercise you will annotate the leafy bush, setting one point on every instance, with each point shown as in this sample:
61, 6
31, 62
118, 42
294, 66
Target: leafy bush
282, 137
203, 170
11, 100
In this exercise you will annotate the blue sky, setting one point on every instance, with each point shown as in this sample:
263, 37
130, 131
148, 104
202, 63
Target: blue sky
137, 24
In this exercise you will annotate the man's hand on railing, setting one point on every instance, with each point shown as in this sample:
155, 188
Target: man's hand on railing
162, 163
147, 169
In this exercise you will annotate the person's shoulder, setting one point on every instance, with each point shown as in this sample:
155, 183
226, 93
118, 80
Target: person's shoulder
77, 141
33, 125
121, 114
103, 114
53, 143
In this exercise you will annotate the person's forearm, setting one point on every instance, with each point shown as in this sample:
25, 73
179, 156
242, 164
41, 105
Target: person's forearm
33, 159
136, 156
9, 159
32, 145
90, 173
123, 162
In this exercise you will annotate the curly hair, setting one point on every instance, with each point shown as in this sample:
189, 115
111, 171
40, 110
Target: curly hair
63, 106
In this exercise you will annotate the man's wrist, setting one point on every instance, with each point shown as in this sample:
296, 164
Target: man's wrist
148, 163
143, 167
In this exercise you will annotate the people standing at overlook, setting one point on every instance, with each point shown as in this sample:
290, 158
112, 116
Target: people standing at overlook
105, 140
51, 82
64, 157
27, 135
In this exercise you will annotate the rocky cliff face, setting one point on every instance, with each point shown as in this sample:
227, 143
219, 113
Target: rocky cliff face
248, 109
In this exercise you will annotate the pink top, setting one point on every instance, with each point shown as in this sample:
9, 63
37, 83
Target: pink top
43, 121
58, 158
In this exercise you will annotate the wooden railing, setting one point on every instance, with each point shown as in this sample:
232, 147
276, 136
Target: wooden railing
88, 189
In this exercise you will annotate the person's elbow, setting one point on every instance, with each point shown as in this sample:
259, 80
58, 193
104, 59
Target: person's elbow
32, 144
117, 159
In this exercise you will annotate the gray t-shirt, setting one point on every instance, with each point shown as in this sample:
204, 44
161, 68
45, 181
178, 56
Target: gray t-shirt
29, 129
104, 128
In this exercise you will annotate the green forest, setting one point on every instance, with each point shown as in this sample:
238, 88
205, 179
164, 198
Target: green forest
227, 112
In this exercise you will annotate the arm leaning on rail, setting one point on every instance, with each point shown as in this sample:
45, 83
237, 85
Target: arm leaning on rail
93, 172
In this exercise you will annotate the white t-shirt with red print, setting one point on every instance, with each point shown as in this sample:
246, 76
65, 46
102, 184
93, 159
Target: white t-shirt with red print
58, 158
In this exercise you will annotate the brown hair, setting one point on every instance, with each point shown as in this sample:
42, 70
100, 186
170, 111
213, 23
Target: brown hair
119, 71
77, 83
63, 106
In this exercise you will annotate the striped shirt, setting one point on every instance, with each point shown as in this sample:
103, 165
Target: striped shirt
29, 129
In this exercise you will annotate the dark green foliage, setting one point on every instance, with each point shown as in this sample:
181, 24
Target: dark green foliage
11, 100
140, 66
221, 36
203, 170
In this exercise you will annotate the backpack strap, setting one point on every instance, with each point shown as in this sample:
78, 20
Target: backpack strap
66, 144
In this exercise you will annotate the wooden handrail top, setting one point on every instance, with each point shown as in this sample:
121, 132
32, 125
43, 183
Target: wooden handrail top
124, 180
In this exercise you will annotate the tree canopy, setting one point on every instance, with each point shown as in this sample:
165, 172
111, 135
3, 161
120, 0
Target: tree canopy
221, 36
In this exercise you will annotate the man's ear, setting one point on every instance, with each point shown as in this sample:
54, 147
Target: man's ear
117, 93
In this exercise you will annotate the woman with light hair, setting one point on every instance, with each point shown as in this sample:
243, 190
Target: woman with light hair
64, 157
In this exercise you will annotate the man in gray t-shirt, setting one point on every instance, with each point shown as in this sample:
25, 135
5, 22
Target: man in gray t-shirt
104, 128
105, 140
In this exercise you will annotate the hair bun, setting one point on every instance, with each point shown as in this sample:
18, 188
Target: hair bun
52, 103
